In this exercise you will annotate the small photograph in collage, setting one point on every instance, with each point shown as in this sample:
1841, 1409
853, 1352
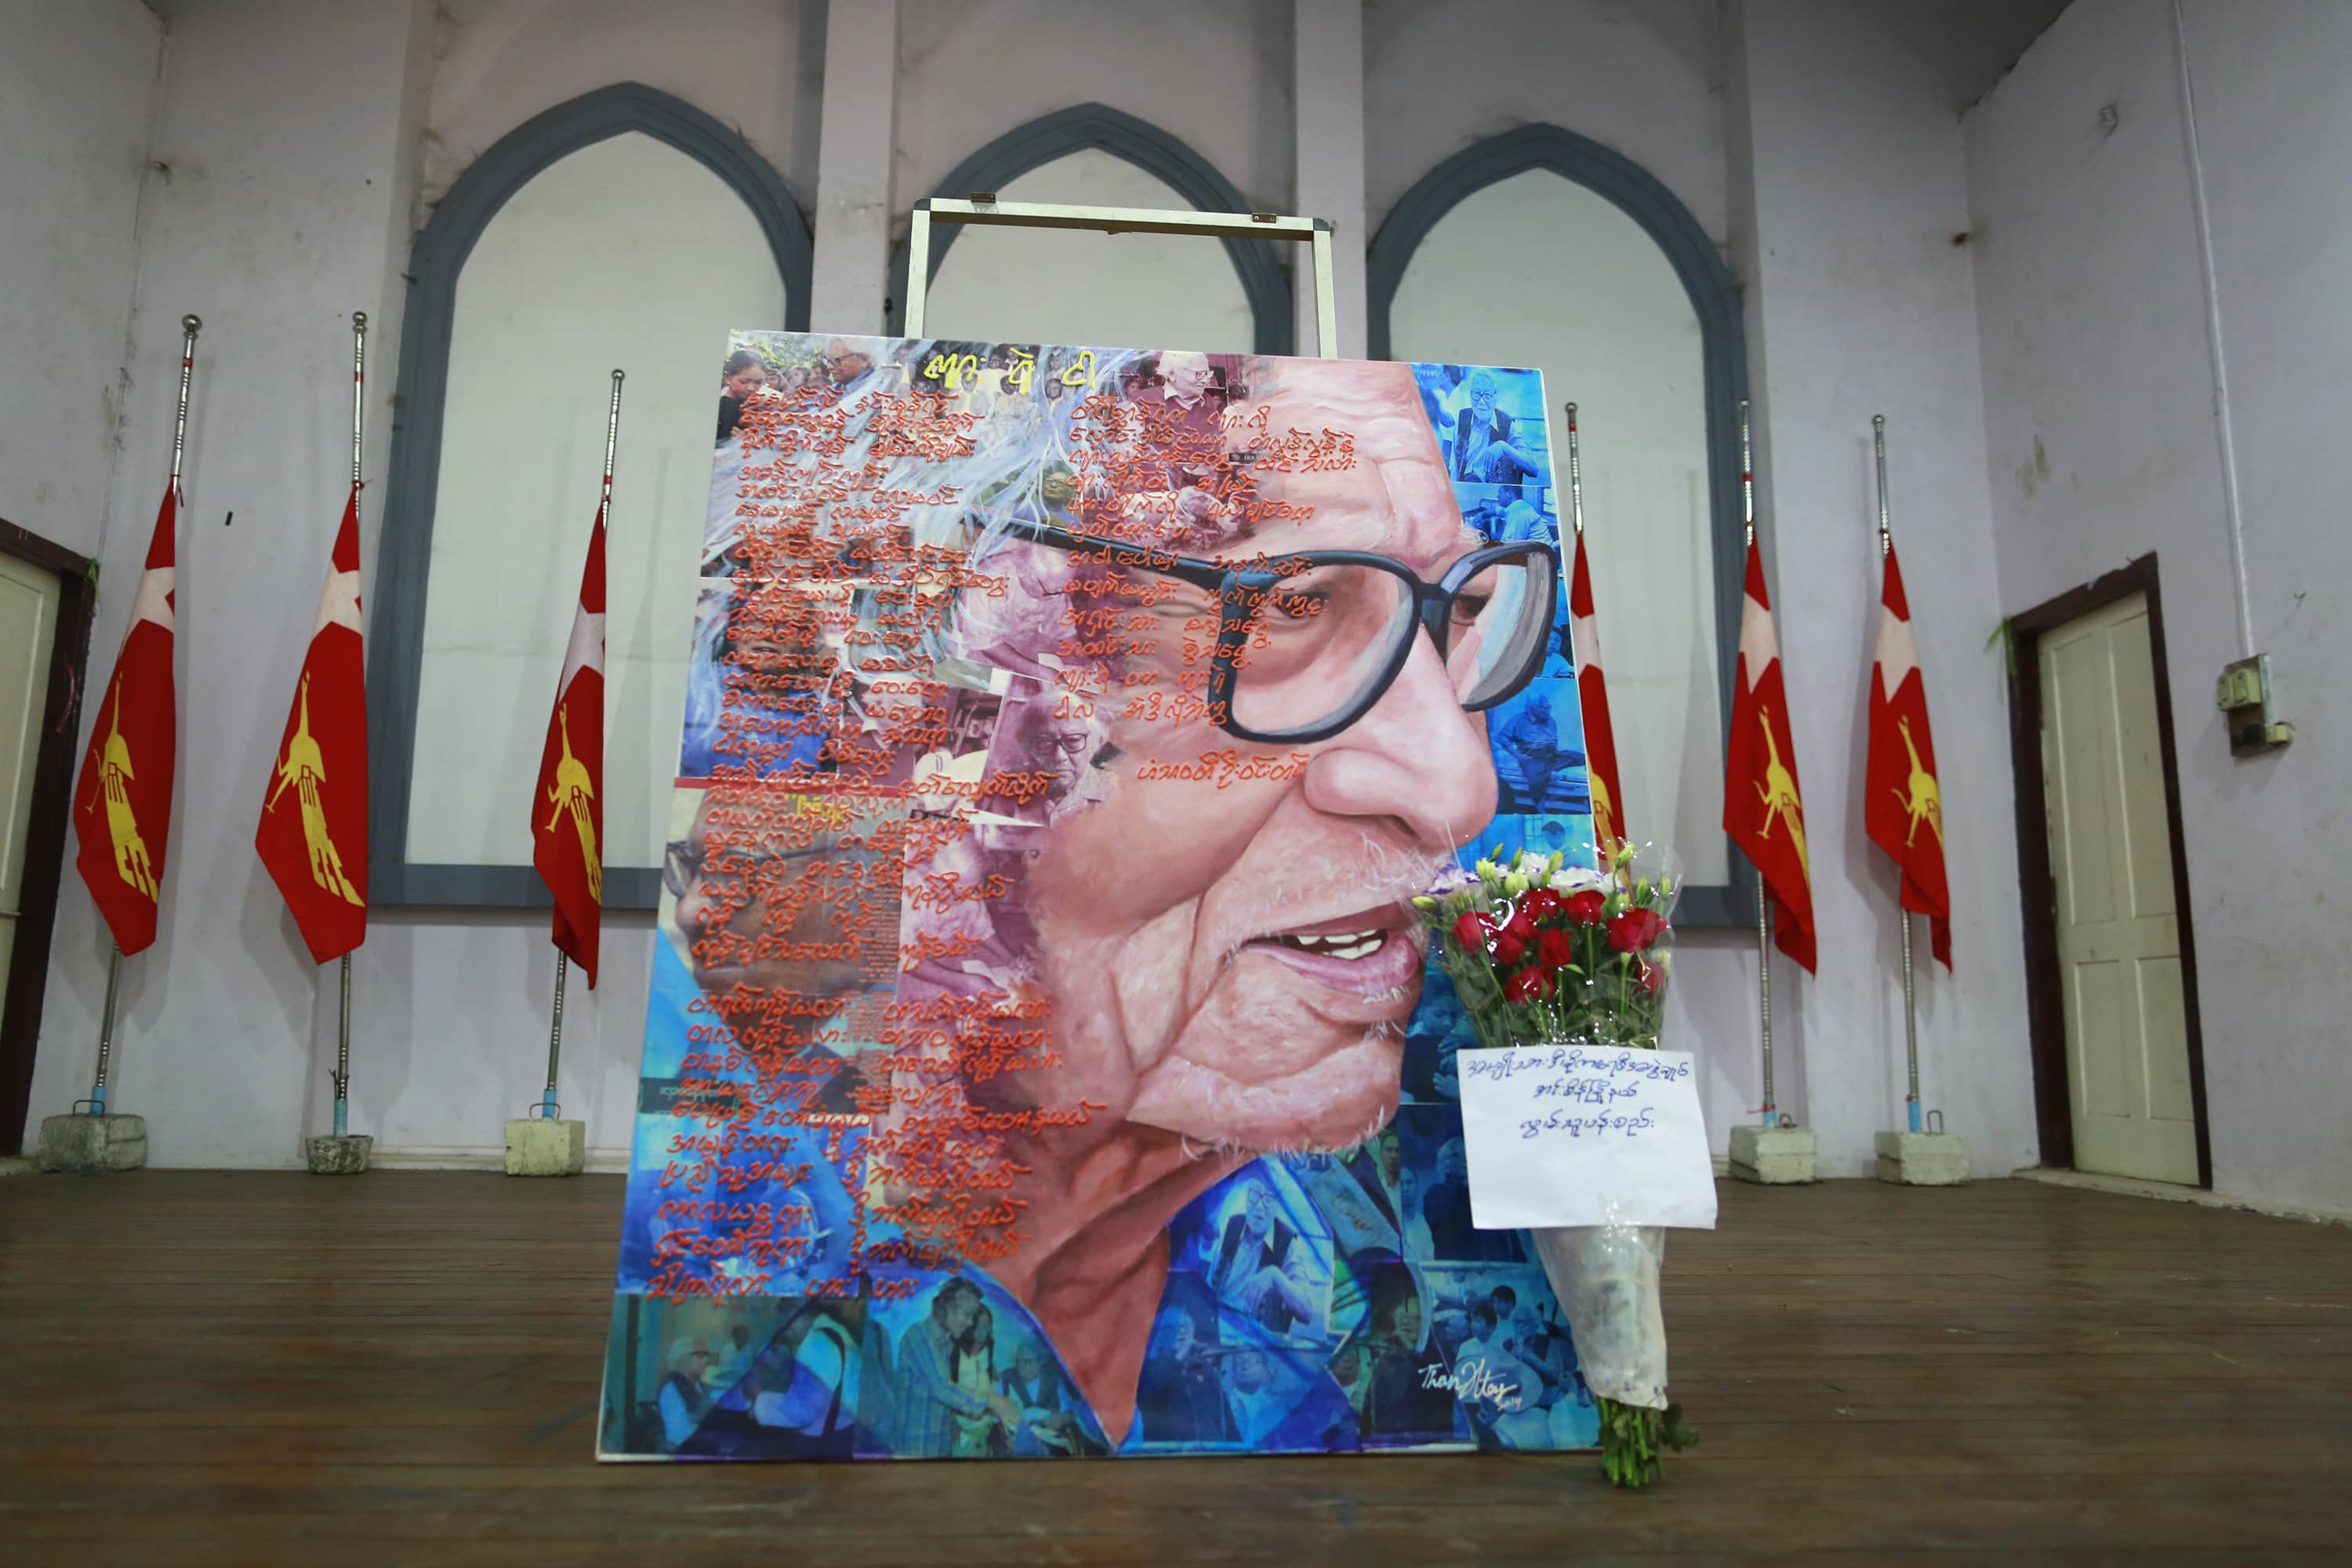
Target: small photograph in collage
1540, 836
1441, 1026
1514, 1369
1434, 1189
1539, 742
755, 1377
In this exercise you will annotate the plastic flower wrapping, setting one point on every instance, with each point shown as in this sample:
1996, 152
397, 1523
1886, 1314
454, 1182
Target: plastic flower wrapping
1543, 952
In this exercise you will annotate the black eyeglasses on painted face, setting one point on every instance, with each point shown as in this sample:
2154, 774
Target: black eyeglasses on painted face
1307, 643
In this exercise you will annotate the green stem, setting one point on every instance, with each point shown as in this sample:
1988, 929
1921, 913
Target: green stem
1633, 1441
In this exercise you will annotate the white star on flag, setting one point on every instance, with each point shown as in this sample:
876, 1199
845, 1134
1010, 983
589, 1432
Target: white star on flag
586, 649
1758, 646
1584, 636
339, 601
154, 602
1898, 656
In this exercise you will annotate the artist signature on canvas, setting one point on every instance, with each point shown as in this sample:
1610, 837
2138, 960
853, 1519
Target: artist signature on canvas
1471, 1385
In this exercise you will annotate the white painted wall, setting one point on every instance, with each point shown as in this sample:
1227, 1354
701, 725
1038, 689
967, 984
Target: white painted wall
630, 254
1850, 182
1214, 73
754, 64
2102, 447
1642, 79
1539, 270
274, 228
76, 87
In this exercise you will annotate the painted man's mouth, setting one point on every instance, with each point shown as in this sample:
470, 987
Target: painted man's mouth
1368, 951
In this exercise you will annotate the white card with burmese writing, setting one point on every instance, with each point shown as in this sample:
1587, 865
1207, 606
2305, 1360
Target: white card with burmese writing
1562, 1135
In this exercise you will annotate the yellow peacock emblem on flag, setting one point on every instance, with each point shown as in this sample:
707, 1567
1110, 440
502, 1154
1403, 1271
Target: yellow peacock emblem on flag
114, 774
305, 769
1605, 813
1779, 791
571, 792
1924, 802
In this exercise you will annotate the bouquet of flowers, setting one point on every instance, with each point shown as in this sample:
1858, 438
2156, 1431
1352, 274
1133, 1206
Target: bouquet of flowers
1539, 951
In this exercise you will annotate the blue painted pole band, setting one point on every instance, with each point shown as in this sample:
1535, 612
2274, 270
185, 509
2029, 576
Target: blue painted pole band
98, 1101
342, 1115
1914, 1114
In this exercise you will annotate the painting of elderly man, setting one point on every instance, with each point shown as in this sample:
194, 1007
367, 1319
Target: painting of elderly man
1047, 999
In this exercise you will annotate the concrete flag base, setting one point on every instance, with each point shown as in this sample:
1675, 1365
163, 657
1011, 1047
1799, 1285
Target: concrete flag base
339, 1154
1772, 1156
537, 1146
92, 1145
1923, 1158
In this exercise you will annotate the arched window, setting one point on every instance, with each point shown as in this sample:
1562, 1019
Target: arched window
624, 229
1136, 291
1540, 248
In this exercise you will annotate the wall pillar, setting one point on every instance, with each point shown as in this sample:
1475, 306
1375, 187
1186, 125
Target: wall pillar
855, 135
1328, 98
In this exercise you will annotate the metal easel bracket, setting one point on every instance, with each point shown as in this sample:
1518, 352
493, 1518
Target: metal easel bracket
983, 207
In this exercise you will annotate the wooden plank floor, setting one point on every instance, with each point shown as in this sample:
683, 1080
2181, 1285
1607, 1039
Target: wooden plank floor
201, 1368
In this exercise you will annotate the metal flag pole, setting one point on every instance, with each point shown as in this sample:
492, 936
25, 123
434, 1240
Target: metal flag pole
1575, 475
547, 1106
1910, 994
1763, 899
343, 1021
189, 327
547, 1103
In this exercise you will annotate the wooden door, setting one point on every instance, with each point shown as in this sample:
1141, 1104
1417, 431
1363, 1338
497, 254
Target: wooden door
28, 631
2119, 952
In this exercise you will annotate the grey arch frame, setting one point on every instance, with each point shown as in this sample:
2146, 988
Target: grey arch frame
1713, 296
396, 633
1100, 128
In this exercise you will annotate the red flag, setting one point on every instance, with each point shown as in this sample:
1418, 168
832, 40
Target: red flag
126, 779
1600, 738
1761, 808
1899, 796
313, 833
567, 814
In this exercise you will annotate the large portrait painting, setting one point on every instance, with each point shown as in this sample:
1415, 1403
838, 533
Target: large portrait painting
1043, 1057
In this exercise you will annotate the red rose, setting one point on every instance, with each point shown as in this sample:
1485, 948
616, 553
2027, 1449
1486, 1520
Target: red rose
1634, 929
1539, 902
1509, 947
1471, 929
1522, 923
1585, 908
1528, 985
1555, 950
1652, 979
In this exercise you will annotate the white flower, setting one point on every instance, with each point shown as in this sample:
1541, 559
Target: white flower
1577, 879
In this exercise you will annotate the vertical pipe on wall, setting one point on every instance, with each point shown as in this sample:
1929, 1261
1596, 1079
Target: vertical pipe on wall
2224, 428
